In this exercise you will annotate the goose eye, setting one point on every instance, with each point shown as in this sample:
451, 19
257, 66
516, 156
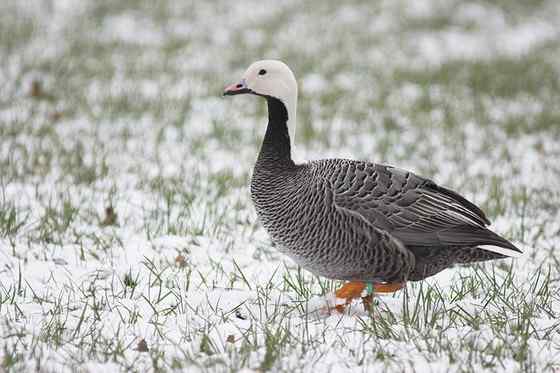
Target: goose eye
262, 72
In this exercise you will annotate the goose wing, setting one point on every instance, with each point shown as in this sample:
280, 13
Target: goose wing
413, 209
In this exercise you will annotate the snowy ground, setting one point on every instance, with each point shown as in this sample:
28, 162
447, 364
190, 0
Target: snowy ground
127, 236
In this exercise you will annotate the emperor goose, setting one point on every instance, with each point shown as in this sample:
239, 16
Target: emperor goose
373, 225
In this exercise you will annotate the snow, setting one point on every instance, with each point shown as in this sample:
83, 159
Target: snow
177, 161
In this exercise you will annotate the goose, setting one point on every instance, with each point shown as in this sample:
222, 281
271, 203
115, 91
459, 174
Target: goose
373, 226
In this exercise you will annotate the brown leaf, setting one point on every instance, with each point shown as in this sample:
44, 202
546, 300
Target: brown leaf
55, 116
36, 89
230, 338
181, 261
110, 217
142, 346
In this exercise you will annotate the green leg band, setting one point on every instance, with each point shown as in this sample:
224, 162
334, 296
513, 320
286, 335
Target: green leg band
369, 288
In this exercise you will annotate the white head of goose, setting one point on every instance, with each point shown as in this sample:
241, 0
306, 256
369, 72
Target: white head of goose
274, 81
373, 225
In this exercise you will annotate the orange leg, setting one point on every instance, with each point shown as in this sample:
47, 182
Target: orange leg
354, 289
349, 291
388, 288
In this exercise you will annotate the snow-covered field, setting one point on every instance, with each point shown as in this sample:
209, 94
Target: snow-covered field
127, 236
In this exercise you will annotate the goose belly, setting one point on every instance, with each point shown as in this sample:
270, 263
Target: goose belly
318, 239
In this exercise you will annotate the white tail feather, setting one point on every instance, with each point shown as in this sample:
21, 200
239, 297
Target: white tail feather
501, 250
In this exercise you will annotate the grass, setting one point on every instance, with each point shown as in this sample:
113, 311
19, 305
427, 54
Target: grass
128, 240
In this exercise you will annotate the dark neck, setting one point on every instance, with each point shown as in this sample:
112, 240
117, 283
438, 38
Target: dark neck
276, 143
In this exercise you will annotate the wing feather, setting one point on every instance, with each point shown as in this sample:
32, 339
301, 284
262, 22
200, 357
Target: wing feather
413, 209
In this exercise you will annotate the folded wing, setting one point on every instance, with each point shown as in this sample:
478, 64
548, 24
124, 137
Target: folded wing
413, 209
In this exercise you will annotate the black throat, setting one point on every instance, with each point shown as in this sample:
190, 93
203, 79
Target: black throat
276, 143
